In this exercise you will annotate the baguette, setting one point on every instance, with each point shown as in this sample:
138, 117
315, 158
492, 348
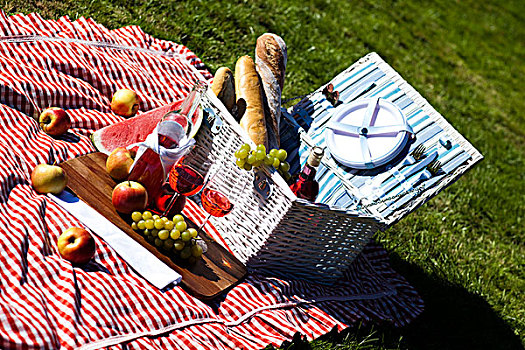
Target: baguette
248, 89
224, 87
271, 57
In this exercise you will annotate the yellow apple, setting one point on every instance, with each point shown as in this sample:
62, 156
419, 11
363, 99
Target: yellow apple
47, 178
118, 163
125, 102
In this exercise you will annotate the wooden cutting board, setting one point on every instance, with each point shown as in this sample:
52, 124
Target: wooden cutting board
218, 269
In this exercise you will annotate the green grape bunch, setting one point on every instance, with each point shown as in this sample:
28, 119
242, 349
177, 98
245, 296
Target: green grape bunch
247, 159
174, 237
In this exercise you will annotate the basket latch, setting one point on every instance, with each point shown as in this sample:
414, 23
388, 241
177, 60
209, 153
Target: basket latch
262, 184
213, 120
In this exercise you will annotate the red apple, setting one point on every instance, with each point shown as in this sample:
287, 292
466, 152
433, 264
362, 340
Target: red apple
125, 102
119, 162
54, 121
129, 196
76, 245
47, 178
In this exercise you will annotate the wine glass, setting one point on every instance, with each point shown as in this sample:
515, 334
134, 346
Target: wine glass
214, 201
184, 180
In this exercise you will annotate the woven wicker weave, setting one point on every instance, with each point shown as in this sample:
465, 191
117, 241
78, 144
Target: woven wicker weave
279, 235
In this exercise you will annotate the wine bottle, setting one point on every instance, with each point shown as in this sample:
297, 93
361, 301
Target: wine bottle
306, 187
184, 115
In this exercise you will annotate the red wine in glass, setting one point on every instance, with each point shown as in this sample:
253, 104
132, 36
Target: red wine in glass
166, 199
215, 203
185, 180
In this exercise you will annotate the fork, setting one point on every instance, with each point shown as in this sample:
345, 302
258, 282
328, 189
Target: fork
432, 170
414, 156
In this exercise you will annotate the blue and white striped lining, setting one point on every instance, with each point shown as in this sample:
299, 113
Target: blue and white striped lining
310, 116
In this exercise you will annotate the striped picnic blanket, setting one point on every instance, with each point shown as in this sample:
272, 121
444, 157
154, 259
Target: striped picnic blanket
45, 302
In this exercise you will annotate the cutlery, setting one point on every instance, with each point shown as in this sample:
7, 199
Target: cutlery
444, 171
445, 160
410, 170
414, 156
431, 170
427, 137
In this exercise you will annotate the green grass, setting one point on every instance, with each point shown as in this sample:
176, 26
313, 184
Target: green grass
463, 250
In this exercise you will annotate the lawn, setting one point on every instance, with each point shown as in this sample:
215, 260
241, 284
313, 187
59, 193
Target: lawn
463, 251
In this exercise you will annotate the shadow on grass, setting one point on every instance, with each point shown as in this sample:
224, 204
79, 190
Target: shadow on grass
453, 319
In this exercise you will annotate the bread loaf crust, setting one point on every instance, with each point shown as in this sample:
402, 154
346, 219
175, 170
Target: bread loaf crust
272, 50
249, 88
224, 87
271, 57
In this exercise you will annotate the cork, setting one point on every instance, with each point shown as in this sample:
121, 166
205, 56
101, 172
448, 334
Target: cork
316, 154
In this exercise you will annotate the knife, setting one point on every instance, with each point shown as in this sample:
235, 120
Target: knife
406, 173
447, 169
444, 158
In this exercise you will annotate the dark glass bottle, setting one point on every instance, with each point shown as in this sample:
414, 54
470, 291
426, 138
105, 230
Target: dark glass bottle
306, 187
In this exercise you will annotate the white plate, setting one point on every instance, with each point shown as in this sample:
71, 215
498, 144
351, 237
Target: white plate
350, 148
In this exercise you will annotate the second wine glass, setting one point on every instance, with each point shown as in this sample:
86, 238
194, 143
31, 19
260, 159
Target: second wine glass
214, 201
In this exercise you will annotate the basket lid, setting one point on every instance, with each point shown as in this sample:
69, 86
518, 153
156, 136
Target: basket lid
367, 133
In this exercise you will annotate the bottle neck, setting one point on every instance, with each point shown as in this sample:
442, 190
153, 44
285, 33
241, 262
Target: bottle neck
191, 102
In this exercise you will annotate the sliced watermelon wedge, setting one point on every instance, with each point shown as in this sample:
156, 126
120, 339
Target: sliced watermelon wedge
136, 129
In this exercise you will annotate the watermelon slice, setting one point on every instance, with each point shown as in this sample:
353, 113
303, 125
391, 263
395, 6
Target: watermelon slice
136, 129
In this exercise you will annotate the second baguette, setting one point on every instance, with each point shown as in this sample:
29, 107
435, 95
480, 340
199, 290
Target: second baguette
270, 58
248, 88
223, 87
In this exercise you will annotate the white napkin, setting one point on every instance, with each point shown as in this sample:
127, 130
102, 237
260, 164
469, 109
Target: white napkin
146, 264
168, 156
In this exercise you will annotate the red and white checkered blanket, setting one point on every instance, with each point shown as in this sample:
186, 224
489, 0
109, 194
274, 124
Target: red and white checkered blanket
45, 302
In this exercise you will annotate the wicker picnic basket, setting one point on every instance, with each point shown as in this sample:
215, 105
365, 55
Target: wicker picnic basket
280, 235
277, 234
